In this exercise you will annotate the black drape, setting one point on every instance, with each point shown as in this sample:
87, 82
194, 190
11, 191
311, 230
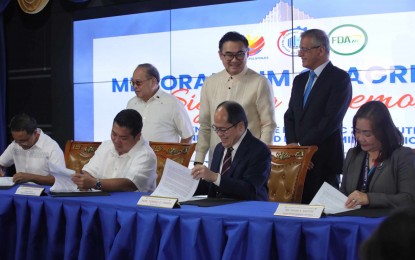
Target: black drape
3, 126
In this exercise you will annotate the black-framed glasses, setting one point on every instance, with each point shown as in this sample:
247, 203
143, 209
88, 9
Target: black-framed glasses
240, 55
223, 130
138, 82
304, 50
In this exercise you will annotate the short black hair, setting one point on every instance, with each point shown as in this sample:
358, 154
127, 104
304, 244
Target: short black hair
236, 112
382, 125
23, 122
130, 119
233, 37
150, 70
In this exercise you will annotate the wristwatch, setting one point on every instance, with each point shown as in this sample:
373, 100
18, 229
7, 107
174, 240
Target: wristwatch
98, 185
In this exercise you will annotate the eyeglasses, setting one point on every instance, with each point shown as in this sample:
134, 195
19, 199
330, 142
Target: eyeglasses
138, 82
304, 50
224, 130
240, 55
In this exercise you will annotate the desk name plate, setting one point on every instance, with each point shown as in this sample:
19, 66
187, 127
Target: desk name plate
159, 202
298, 210
30, 190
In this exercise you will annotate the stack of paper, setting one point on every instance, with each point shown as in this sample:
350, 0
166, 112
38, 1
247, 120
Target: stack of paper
6, 182
176, 182
63, 179
332, 200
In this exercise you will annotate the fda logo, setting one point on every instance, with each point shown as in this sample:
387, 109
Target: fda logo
347, 39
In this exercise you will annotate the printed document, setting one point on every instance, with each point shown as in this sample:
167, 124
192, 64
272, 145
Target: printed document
63, 179
6, 181
332, 199
176, 182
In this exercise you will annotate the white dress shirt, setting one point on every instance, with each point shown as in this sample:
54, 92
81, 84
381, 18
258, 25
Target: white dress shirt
235, 148
34, 160
165, 119
252, 91
138, 165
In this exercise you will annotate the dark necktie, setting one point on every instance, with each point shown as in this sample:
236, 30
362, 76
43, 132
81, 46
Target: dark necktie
309, 85
227, 161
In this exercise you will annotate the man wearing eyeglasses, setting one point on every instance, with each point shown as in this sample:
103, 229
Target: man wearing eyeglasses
241, 162
165, 119
319, 100
238, 83
31, 152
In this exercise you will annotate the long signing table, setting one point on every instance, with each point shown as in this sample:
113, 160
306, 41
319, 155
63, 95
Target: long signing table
114, 227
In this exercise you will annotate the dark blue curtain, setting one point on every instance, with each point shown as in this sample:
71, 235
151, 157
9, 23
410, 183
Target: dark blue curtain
3, 125
3, 71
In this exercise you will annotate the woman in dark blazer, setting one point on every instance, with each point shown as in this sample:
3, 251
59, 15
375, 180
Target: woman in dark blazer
379, 172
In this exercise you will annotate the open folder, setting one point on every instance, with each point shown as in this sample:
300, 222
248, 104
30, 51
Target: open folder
65, 187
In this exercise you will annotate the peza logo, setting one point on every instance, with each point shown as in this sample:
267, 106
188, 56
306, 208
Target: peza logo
347, 39
256, 44
289, 41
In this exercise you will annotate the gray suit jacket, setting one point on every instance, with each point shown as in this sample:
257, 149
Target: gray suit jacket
392, 184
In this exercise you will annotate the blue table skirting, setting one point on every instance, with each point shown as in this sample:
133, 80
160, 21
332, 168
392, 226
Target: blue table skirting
114, 227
